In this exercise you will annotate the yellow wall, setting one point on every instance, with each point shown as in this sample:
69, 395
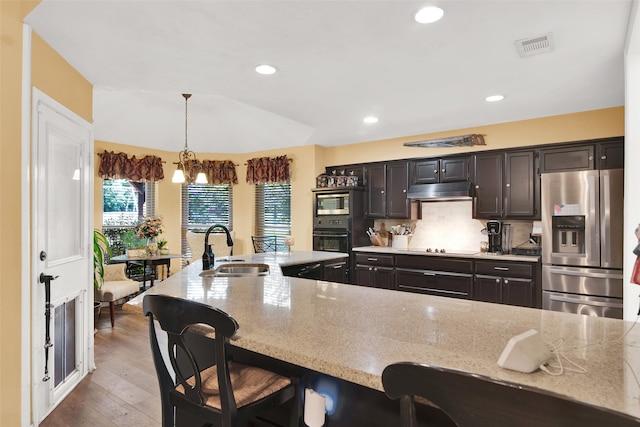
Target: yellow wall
56, 78
569, 127
11, 14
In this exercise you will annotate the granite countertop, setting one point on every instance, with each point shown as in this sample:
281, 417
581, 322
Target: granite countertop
353, 332
474, 255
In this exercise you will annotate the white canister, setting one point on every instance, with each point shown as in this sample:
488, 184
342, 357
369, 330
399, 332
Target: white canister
400, 241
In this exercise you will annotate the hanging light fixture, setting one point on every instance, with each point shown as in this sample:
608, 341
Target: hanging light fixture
187, 162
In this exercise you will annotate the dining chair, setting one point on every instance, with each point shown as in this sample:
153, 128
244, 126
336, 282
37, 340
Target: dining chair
472, 400
116, 286
225, 394
264, 244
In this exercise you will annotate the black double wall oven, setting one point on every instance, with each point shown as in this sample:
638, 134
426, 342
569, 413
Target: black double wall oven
339, 222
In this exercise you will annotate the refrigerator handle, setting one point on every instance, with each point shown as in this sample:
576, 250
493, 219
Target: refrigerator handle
605, 220
585, 302
593, 275
593, 251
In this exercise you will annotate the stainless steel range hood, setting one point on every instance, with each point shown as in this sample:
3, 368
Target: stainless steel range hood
441, 192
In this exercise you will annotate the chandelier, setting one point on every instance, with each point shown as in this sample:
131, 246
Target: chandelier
188, 165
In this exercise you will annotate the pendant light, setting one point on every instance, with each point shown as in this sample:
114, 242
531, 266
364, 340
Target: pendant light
187, 162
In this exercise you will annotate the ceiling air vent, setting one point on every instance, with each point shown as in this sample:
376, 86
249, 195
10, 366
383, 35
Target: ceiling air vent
535, 45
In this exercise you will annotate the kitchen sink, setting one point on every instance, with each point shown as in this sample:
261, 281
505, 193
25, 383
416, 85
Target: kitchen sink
235, 270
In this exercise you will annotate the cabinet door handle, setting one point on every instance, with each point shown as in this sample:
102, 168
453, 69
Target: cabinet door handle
506, 282
404, 191
603, 157
381, 191
443, 171
372, 259
501, 268
477, 186
497, 280
428, 274
508, 185
435, 171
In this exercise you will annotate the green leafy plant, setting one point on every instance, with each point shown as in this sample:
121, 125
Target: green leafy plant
100, 248
131, 240
162, 244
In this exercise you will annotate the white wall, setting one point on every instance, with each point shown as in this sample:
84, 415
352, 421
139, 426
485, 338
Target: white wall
632, 156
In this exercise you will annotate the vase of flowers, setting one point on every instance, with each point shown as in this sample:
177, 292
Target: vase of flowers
289, 241
150, 228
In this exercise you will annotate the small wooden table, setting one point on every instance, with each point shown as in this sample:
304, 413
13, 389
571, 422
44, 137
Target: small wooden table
150, 260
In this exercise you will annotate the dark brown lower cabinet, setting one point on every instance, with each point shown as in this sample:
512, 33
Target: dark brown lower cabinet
506, 283
446, 284
449, 277
512, 291
336, 271
331, 270
375, 277
375, 270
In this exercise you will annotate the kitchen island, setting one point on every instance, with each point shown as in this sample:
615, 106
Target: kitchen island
352, 332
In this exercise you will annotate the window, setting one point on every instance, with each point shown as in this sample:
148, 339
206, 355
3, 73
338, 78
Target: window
123, 204
204, 205
273, 211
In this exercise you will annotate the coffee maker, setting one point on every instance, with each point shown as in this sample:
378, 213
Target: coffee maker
494, 231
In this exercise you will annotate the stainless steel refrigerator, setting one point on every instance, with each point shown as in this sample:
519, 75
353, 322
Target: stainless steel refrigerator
582, 215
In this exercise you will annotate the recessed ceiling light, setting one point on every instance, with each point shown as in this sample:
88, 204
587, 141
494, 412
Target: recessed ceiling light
370, 119
428, 15
265, 69
494, 98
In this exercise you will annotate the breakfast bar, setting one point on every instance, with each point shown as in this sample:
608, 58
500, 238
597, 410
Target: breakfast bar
351, 333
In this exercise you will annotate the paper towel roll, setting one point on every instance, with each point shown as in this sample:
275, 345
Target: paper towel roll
313, 408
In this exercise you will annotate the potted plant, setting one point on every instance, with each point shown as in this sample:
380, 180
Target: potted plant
101, 247
134, 244
162, 247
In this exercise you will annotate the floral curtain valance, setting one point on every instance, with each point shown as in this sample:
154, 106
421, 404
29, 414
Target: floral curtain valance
120, 166
220, 171
217, 171
268, 170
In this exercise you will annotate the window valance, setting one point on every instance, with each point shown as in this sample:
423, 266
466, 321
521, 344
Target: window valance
268, 170
218, 171
120, 166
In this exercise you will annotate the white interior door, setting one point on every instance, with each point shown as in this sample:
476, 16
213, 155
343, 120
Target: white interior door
61, 323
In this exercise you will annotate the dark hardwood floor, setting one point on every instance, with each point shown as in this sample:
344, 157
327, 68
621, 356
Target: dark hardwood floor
123, 390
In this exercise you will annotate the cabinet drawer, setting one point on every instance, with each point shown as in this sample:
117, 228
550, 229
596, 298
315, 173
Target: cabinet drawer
512, 269
435, 283
377, 259
439, 263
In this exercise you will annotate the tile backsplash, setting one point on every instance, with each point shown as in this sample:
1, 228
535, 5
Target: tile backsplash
450, 226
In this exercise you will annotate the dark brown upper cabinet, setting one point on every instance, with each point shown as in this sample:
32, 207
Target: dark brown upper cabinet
606, 153
564, 159
611, 155
521, 185
487, 181
507, 185
430, 171
386, 185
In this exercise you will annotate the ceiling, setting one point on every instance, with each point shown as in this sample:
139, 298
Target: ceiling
338, 61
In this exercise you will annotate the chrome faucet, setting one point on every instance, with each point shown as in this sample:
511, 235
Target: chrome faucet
208, 257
